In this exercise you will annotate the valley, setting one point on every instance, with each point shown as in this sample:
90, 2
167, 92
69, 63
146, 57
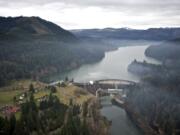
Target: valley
59, 82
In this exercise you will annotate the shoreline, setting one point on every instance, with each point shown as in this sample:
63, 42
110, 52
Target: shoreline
49, 79
135, 118
139, 121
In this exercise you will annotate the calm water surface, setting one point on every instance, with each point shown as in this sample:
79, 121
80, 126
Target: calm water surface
121, 124
113, 65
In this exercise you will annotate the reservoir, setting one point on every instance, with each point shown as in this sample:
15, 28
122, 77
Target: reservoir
113, 65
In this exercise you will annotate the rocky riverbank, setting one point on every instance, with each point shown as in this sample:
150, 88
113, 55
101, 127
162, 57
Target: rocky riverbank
97, 123
139, 121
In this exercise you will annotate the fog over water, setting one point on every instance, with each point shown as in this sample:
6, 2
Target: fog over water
112, 66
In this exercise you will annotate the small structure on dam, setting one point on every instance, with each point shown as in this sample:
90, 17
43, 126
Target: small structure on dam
110, 92
107, 86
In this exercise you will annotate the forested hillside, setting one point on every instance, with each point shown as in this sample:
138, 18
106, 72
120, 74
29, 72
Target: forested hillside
31, 27
166, 50
31, 47
155, 100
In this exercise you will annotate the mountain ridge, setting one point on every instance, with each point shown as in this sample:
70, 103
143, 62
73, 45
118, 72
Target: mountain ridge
128, 33
34, 27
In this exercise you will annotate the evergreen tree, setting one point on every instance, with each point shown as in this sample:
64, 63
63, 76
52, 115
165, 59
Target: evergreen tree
2, 126
32, 103
71, 102
84, 128
31, 88
12, 124
84, 109
53, 89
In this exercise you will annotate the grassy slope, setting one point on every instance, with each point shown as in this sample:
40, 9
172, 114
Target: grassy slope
64, 93
7, 93
72, 92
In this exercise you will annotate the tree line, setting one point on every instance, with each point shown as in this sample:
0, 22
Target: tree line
49, 116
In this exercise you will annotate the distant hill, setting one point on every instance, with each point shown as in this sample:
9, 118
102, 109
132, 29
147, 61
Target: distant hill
31, 47
166, 50
126, 33
32, 27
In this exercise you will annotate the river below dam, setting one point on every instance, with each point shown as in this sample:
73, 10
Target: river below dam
121, 123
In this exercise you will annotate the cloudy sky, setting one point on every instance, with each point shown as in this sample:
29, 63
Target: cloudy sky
76, 14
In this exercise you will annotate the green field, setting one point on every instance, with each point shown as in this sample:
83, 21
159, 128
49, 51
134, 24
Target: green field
8, 93
6, 97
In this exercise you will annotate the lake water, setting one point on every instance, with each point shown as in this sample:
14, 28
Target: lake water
113, 65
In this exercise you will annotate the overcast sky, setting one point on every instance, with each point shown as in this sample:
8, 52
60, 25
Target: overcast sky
76, 14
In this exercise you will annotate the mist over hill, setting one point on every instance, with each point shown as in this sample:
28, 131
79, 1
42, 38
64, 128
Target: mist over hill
31, 47
127, 33
158, 91
168, 50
